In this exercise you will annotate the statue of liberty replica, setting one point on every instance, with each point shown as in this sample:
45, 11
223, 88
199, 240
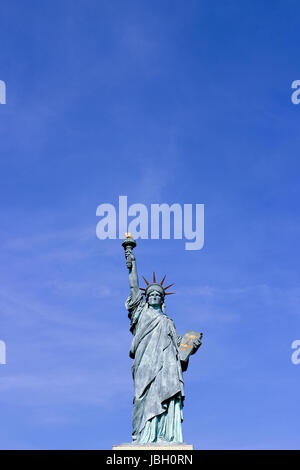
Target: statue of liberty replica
160, 356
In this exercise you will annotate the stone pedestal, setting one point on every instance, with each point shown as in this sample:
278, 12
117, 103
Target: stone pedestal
155, 446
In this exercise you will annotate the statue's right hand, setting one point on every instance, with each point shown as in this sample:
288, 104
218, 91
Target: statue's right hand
129, 258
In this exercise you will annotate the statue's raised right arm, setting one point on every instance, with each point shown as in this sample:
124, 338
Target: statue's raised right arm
128, 245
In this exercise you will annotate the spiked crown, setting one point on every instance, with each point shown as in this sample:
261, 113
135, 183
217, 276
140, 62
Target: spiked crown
155, 286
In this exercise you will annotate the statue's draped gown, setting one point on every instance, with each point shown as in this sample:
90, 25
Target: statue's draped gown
157, 374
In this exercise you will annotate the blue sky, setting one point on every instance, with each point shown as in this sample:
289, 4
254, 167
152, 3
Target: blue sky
162, 101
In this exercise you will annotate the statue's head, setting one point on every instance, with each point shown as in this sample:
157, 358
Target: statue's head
155, 293
155, 298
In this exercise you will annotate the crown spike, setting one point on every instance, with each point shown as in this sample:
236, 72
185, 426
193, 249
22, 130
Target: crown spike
154, 280
169, 286
146, 281
163, 280
170, 293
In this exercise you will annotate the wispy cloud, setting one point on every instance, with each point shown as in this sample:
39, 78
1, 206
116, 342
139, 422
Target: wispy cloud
77, 387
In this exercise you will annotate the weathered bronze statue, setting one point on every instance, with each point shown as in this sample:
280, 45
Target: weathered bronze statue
160, 356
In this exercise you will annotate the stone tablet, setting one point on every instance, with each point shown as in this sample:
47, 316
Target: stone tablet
186, 344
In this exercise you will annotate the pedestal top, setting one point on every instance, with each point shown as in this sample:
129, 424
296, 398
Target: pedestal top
155, 446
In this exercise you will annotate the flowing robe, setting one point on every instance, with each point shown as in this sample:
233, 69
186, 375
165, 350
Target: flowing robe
157, 374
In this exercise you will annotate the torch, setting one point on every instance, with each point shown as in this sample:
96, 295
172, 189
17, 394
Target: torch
128, 244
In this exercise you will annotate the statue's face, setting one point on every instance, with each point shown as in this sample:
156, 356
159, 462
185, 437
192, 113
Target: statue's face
154, 298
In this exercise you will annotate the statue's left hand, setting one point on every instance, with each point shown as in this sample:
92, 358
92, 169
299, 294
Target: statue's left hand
196, 344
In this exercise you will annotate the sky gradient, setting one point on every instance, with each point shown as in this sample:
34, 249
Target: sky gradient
165, 102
